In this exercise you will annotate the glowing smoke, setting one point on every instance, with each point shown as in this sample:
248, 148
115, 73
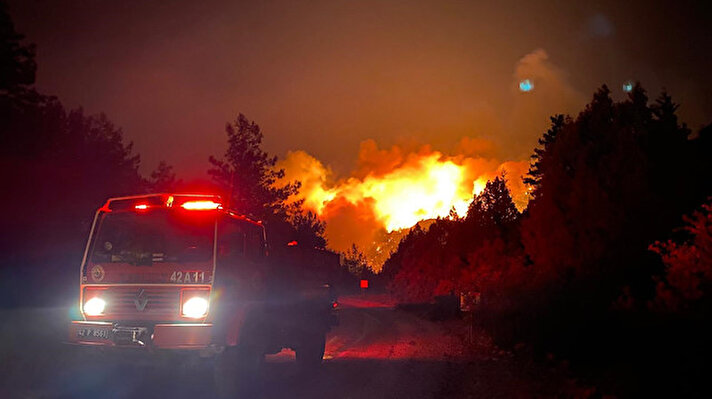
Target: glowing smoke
550, 93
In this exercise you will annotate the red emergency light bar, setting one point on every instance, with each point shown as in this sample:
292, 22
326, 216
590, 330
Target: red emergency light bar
177, 201
201, 205
155, 201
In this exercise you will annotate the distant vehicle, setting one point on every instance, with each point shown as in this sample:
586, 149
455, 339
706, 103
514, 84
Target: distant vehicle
180, 272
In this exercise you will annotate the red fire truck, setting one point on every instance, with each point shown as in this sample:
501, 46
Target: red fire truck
182, 273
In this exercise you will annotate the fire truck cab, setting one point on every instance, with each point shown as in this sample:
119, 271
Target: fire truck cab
180, 272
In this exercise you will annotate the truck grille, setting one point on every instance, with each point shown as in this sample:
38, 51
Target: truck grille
142, 303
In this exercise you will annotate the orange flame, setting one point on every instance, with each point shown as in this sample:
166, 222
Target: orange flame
392, 190
426, 189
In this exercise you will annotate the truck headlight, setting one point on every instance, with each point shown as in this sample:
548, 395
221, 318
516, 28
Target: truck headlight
195, 307
94, 306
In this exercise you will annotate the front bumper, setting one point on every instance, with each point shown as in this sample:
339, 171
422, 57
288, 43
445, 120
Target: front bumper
158, 336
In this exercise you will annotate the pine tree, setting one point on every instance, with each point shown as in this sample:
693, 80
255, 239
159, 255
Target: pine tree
163, 179
309, 230
247, 173
533, 177
355, 261
494, 205
17, 60
252, 185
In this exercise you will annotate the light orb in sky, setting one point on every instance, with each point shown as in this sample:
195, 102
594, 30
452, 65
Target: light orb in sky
526, 85
628, 86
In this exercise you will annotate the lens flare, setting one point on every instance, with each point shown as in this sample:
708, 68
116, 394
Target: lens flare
526, 86
628, 86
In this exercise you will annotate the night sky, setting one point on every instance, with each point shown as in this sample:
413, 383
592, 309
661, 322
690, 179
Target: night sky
324, 76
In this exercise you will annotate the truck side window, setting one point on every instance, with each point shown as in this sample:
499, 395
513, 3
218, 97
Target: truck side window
231, 240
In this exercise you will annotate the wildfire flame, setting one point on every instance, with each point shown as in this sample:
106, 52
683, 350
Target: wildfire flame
394, 190
426, 189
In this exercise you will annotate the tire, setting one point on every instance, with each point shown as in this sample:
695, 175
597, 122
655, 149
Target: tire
310, 352
234, 369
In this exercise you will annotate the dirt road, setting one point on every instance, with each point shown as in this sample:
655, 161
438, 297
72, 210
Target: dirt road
376, 352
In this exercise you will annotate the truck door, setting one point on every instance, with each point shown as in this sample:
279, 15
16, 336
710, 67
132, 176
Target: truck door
238, 277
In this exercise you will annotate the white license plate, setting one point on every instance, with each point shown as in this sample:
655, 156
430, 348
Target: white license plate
94, 333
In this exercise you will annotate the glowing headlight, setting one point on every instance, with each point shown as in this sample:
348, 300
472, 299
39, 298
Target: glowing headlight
94, 307
195, 307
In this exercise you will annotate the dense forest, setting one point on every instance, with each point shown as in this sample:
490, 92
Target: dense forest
610, 263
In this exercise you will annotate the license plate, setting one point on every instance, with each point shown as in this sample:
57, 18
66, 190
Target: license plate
94, 333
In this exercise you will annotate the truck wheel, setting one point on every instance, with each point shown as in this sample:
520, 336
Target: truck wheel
235, 368
310, 351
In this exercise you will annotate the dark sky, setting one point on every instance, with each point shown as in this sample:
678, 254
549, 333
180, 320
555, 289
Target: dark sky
322, 76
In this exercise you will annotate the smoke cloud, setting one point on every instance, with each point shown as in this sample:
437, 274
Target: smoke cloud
529, 116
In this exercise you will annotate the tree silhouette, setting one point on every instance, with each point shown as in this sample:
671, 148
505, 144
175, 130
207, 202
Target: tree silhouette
615, 179
688, 274
494, 205
355, 261
163, 179
394, 263
533, 177
247, 173
57, 166
440, 260
309, 230
17, 60
248, 177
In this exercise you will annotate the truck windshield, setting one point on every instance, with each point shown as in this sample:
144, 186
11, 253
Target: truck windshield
157, 236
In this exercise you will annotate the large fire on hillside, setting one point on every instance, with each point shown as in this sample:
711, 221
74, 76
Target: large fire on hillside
394, 189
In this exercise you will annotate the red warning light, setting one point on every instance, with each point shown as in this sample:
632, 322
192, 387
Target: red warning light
292, 244
364, 283
200, 205
141, 206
